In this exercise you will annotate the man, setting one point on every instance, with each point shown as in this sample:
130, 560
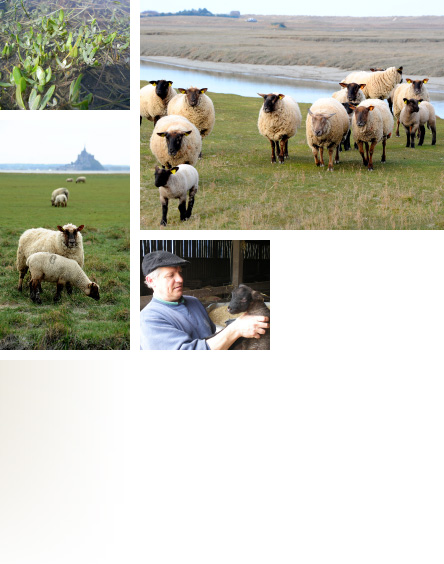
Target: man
172, 321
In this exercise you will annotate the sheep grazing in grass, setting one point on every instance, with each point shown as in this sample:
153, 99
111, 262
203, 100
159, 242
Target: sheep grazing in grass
246, 300
50, 267
372, 123
61, 201
326, 126
414, 116
67, 242
378, 84
69, 180
410, 89
177, 182
196, 106
154, 99
175, 140
279, 119
58, 191
80, 179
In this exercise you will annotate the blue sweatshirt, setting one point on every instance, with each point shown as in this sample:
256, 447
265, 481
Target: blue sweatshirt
182, 325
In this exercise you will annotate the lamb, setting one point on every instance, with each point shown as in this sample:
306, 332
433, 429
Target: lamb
81, 179
279, 119
372, 123
196, 106
154, 99
245, 299
58, 191
411, 89
61, 200
327, 124
67, 242
69, 180
414, 116
61, 270
175, 140
176, 182
378, 84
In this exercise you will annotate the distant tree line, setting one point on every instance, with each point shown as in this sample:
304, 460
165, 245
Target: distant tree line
199, 12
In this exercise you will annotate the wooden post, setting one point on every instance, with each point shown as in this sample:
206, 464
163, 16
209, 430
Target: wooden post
238, 263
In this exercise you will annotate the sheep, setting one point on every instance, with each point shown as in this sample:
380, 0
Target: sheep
245, 299
58, 191
414, 116
279, 119
61, 200
378, 84
351, 93
196, 106
81, 179
61, 270
69, 180
327, 124
372, 122
176, 182
411, 89
175, 140
154, 99
67, 241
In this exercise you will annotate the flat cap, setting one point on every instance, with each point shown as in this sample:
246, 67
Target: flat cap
158, 259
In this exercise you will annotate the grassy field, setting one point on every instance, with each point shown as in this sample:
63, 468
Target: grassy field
240, 188
77, 322
416, 43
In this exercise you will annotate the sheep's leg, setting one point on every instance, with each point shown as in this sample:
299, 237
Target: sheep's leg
140, 120
397, 128
163, 221
34, 291
421, 134
191, 201
331, 150
347, 145
273, 152
315, 151
433, 129
22, 275
390, 103
384, 143
337, 154
282, 149
183, 210
361, 150
58, 294
69, 288
370, 154
286, 149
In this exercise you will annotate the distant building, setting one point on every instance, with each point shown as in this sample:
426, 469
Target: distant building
234, 14
85, 161
251, 20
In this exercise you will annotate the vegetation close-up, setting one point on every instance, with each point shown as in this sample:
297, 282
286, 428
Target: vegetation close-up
54, 58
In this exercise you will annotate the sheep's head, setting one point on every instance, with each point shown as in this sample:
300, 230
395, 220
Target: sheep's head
320, 123
93, 291
174, 140
412, 104
361, 115
352, 90
193, 95
162, 87
70, 234
417, 85
241, 299
162, 174
270, 101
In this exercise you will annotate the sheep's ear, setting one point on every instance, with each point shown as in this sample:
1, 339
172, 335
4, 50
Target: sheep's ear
421, 100
203, 90
310, 112
425, 80
153, 82
405, 100
343, 84
281, 96
409, 80
362, 86
60, 228
174, 169
400, 70
80, 228
257, 296
182, 90
170, 83
352, 107
186, 133
371, 108
162, 134
263, 95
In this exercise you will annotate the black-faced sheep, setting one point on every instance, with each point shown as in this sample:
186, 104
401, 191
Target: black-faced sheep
351, 93
414, 116
58, 191
410, 89
327, 124
279, 119
50, 267
175, 140
67, 242
154, 99
245, 299
81, 179
61, 201
379, 84
174, 183
196, 106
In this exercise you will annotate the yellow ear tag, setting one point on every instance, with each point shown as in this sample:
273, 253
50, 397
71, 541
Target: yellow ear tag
173, 171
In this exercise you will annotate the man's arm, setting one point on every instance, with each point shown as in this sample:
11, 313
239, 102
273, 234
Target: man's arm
248, 326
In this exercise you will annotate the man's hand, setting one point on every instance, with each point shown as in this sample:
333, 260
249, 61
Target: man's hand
248, 326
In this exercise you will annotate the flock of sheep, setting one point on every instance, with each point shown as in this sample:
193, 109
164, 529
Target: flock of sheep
183, 119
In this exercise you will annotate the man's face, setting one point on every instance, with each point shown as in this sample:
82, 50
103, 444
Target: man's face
168, 285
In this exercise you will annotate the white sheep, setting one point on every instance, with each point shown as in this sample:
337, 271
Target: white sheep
61, 200
279, 119
378, 84
81, 179
174, 183
414, 116
327, 124
58, 191
51, 267
67, 241
410, 89
154, 99
196, 106
69, 180
372, 122
175, 140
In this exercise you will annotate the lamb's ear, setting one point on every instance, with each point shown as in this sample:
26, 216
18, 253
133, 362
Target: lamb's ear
182, 90
174, 169
257, 296
60, 228
80, 228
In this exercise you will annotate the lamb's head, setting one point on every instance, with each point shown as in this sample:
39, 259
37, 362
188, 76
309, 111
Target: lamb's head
162, 175
362, 114
70, 234
417, 85
162, 87
192, 95
174, 140
241, 299
93, 291
271, 101
320, 123
412, 104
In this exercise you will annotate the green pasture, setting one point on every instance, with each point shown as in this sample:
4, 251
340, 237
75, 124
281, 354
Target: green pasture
240, 189
77, 322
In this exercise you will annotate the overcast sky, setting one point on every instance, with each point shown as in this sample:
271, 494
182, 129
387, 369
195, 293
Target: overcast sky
317, 8
59, 141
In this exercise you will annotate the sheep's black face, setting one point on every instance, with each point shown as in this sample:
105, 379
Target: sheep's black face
161, 176
162, 87
412, 104
241, 299
352, 91
270, 101
417, 86
70, 235
174, 140
94, 291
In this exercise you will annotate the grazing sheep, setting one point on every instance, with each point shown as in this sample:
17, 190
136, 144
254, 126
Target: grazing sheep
279, 119
61, 270
196, 106
411, 89
154, 99
69, 180
245, 299
67, 242
175, 140
327, 124
176, 182
81, 179
351, 93
378, 84
61, 200
414, 116
372, 123
58, 191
